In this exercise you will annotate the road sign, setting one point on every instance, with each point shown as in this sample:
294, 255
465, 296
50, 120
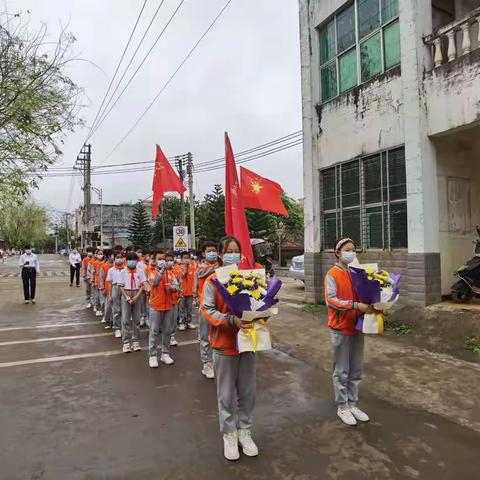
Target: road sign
181, 239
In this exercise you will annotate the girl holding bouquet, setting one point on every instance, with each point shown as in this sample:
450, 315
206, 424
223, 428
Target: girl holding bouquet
235, 372
343, 312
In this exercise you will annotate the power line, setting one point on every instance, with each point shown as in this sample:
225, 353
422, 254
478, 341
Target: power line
139, 119
116, 71
140, 66
126, 68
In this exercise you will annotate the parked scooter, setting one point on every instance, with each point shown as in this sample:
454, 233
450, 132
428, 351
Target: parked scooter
468, 284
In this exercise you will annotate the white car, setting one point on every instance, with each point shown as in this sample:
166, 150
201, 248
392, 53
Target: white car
297, 268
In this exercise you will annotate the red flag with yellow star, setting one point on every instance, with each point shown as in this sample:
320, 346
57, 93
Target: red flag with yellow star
164, 180
235, 217
261, 193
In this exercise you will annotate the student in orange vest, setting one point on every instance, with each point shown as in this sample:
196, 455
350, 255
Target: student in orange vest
106, 288
235, 372
343, 312
113, 276
88, 286
99, 303
162, 285
177, 272
186, 292
206, 267
92, 276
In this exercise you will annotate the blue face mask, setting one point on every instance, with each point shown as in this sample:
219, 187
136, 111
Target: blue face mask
119, 261
211, 256
132, 264
231, 258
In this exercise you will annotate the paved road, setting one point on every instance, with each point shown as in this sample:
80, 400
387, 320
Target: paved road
74, 408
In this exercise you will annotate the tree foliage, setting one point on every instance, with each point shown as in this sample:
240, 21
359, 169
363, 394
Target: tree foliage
39, 103
23, 223
210, 216
140, 229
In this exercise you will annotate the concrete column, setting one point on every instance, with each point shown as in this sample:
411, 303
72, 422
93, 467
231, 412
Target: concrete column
310, 90
421, 165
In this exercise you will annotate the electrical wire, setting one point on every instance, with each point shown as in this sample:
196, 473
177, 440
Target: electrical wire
184, 61
116, 71
140, 66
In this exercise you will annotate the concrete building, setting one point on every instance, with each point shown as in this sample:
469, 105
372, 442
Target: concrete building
391, 118
114, 220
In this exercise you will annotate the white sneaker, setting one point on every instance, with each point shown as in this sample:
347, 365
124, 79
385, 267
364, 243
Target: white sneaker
173, 342
108, 326
245, 441
27, 302
103, 320
230, 446
126, 348
346, 416
166, 359
136, 347
358, 414
182, 327
89, 305
32, 301
153, 361
191, 326
99, 314
118, 334
207, 370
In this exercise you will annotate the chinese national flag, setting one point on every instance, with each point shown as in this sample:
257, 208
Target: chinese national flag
235, 218
164, 180
261, 193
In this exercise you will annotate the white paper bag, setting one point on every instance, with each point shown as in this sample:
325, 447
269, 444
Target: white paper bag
247, 343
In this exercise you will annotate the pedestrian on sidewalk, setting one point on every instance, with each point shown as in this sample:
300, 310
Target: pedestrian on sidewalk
30, 268
132, 284
343, 312
99, 304
85, 274
188, 272
235, 372
107, 290
75, 260
205, 268
162, 284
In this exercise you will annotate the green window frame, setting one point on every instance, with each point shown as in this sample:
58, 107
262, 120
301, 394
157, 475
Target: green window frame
366, 199
358, 43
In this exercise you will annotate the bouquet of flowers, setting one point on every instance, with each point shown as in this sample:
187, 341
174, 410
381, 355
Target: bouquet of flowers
378, 288
250, 297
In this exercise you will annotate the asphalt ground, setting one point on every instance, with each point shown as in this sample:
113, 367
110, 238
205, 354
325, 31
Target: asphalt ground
73, 407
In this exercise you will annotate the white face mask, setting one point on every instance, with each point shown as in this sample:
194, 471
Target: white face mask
348, 257
28, 252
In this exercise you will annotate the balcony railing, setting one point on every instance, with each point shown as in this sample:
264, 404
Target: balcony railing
455, 39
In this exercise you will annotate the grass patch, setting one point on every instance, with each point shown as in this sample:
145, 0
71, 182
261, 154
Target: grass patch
473, 344
313, 308
398, 328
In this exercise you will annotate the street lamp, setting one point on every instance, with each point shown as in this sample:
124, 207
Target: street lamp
98, 191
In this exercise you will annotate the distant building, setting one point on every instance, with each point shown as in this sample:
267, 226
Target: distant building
115, 220
391, 120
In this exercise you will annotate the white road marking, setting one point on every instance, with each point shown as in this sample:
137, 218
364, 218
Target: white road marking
78, 356
52, 325
53, 339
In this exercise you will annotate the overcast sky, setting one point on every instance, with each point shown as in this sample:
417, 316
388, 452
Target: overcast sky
244, 78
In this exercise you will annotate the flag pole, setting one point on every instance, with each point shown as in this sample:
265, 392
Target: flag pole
163, 223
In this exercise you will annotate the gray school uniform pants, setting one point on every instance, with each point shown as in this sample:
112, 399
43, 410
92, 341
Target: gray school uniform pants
204, 340
236, 387
186, 307
347, 366
160, 325
174, 320
88, 292
108, 310
130, 318
116, 307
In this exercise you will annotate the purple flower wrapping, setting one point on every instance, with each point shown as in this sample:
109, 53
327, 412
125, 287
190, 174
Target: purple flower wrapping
241, 303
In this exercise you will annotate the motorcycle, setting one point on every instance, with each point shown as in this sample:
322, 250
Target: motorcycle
468, 284
263, 255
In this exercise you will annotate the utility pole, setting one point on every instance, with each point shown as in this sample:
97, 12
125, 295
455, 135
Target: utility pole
191, 199
98, 191
181, 173
83, 163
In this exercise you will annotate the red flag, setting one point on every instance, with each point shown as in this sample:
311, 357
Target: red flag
235, 218
261, 193
164, 180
